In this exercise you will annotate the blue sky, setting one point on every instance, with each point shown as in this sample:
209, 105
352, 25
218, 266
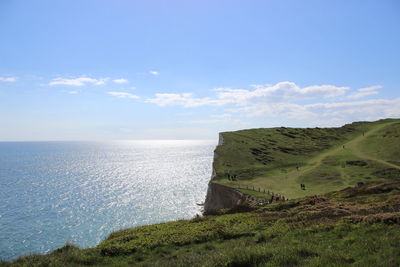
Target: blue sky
103, 70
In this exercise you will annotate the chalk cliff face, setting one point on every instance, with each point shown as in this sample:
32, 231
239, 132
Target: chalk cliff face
220, 143
220, 196
220, 140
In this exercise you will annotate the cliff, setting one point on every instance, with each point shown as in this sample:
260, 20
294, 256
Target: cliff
222, 197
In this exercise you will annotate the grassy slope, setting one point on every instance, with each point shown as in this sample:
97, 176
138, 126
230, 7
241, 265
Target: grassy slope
358, 226
268, 158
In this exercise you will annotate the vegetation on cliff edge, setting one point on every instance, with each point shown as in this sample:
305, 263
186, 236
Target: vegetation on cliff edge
359, 226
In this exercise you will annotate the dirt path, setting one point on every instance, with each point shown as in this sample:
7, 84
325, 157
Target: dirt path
289, 179
354, 146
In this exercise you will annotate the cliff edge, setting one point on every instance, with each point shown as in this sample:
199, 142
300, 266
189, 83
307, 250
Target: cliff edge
220, 196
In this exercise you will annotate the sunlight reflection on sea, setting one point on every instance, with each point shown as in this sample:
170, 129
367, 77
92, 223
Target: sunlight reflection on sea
57, 192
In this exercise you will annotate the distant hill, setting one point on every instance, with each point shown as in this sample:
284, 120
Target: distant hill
323, 159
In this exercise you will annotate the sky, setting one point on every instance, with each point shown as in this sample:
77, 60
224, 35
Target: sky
188, 69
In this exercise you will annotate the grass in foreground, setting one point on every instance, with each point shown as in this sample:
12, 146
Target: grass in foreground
359, 226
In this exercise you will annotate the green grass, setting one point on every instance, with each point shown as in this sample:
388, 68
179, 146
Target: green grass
355, 226
280, 159
388, 136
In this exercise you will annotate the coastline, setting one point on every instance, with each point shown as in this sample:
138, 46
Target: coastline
247, 229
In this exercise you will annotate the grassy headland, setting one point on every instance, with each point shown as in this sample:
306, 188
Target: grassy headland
328, 224
324, 159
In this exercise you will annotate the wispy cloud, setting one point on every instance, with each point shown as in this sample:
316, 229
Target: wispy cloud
242, 97
120, 81
8, 79
280, 91
222, 116
335, 111
153, 72
123, 95
362, 92
81, 81
359, 110
286, 100
72, 92
185, 100
205, 121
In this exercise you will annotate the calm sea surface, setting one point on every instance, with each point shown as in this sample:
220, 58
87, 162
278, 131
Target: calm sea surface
57, 192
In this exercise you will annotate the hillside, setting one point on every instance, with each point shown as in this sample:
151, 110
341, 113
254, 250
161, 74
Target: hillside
359, 226
323, 159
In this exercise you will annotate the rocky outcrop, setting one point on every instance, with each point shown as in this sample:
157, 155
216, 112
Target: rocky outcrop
222, 197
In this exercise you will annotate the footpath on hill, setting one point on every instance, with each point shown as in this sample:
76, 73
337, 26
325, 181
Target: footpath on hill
353, 145
355, 149
289, 181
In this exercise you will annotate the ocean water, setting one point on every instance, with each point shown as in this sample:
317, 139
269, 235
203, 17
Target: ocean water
79, 192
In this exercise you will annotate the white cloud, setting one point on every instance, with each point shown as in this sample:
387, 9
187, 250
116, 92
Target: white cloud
81, 81
73, 92
282, 90
243, 97
205, 121
120, 81
324, 103
358, 110
371, 88
352, 104
123, 95
278, 108
340, 112
153, 72
8, 79
362, 92
185, 100
222, 116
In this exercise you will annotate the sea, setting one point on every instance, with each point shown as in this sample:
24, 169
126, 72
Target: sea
53, 193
